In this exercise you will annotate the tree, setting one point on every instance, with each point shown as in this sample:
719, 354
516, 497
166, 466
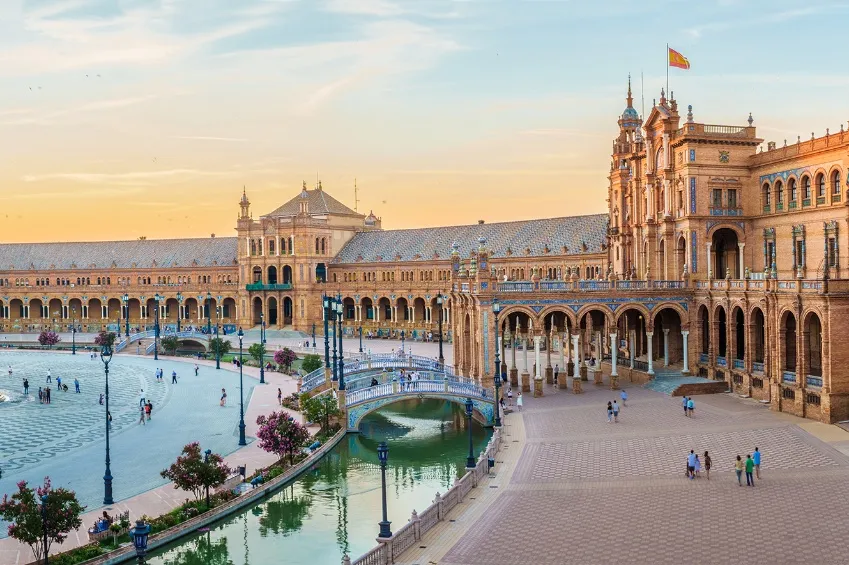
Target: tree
310, 363
280, 434
48, 338
219, 346
285, 357
169, 344
257, 351
23, 510
105, 338
320, 409
192, 474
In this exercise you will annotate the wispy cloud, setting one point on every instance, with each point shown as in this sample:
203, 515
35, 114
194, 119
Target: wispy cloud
564, 132
736, 22
139, 178
209, 138
28, 117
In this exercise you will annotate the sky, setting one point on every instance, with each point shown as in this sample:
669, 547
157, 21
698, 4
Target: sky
129, 118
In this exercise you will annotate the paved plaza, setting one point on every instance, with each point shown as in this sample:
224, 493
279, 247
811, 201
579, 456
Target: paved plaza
587, 492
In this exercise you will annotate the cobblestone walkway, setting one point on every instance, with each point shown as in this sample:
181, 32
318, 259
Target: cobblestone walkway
588, 492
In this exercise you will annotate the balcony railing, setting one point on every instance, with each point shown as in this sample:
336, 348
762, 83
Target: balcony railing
723, 211
812, 380
721, 362
757, 367
788, 377
262, 286
703, 357
738, 364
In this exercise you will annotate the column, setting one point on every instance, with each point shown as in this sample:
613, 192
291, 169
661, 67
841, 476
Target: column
537, 360
526, 385
650, 344
708, 259
665, 347
741, 247
632, 346
561, 337
686, 334
614, 354
512, 354
575, 345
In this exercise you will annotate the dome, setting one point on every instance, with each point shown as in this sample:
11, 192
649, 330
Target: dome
371, 219
630, 114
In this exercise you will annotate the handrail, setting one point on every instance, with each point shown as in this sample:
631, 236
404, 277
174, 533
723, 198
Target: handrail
375, 363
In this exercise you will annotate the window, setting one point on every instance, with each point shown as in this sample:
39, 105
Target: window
832, 252
732, 198
779, 193
716, 200
792, 189
820, 185
835, 183
767, 195
806, 188
692, 155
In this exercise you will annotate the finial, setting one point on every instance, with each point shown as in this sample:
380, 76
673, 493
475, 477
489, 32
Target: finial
690, 113
671, 95
826, 132
812, 136
785, 143
304, 185
319, 185
630, 98
798, 139
751, 120
841, 128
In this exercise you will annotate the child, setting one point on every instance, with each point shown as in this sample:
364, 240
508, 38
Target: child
223, 397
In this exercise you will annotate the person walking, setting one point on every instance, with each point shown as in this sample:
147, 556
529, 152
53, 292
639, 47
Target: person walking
510, 396
196, 369
279, 397
615, 412
519, 402
141, 397
750, 466
556, 372
691, 465
756, 457
49, 378
223, 397
10, 370
691, 406
707, 465
76, 385
58, 383
173, 377
609, 412
26, 390
624, 396
142, 410
697, 470
101, 399
684, 404
148, 409
738, 468
47, 395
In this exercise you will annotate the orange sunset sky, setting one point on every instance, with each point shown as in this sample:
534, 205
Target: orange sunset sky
121, 120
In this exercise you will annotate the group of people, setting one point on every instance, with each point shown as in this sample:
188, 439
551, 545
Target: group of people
145, 408
160, 375
751, 466
44, 392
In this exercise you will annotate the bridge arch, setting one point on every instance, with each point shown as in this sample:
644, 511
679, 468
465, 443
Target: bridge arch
483, 412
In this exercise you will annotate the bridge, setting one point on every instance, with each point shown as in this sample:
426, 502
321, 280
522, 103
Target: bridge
360, 364
150, 334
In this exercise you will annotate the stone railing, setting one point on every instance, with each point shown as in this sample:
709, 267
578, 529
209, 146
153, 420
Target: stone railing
390, 549
588, 285
377, 362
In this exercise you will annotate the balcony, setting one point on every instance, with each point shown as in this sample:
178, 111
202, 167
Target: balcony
813, 380
788, 377
260, 286
728, 211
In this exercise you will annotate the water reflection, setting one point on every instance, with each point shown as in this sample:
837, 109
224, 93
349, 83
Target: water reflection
334, 508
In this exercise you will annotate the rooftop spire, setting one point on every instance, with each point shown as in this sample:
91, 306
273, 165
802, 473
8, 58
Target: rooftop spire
630, 99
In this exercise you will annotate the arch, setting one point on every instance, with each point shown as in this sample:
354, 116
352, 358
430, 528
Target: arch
512, 310
287, 274
788, 341
419, 310
766, 191
172, 309
560, 316
806, 187
228, 309
349, 312
256, 318
384, 309
668, 323
812, 333
633, 306
704, 328
95, 309
820, 183
633, 324
367, 307
792, 192
779, 192
16, 308
483, 412
287, 310
738, 319
834, 181
271, 314
758, 337
721, 320
54, 309
403, 309
134, 307
36, 309
272, 274
191, 308
726, 252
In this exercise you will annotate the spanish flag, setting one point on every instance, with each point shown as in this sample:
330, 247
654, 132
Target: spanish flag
677, 60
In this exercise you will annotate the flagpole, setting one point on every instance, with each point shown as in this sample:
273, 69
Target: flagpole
667, 69
642, 97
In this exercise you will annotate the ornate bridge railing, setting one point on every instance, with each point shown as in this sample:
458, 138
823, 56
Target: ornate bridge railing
376, 363
179, 335
134, 337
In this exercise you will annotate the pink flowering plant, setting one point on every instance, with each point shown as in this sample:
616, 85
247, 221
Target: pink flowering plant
23, 510
192, 474
280, 434
105, 338
48, 338
285, 357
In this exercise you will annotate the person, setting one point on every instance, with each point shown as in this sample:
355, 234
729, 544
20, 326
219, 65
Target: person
64, 388
510, 396
738, 468
10, 370
684, 404
615, 412
280, 396
224, 397
148, 408
609, 412
101, 399
26, 390
750, 466
697, 470
173, 377
76, 385
503, 405
556, 372
141, 414
49, 379
141, 397
707, 465
109, 420
756, 457
519, 402
691, 406
373, 381
58, 383
40, 396
47, 395
624, 396
691, 464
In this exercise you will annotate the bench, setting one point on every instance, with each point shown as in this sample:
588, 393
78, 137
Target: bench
104, 534
230, 483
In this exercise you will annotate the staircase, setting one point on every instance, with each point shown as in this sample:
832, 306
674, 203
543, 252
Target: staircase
667, 380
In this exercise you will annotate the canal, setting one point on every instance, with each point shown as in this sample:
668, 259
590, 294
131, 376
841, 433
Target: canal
334, 508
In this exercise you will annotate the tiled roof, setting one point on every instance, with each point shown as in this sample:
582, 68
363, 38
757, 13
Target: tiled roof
206, 252
320, 203
422, 244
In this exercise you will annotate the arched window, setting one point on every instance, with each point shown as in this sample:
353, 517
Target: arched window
835, 183
820, 185
767, 194
806, 188
658, 159
779, 193
791, 188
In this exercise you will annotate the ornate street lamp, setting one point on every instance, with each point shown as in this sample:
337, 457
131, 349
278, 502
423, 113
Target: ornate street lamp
383, 457
470, 461
340, 316
44, 525
126, 300
217, 334
73, 331
439, 300
206, 455
209, 313
140, 533
361, 339
179, 308
402, 341
313, 335
106, 357
242, 441
496, 308
326, 304
262, 349
157, 298
331, 305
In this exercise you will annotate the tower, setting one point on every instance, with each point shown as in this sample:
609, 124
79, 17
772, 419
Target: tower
244, 206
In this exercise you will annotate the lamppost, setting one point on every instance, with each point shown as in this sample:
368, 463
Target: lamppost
140, 534
262, 349
206, 455
402, 341
44, 525
326, 304
106, 357
361, 339
157, 298
208, 313
331, 302
383, 457
242, 441
470, 461
217, 349
340, 316
126, 300
73, 331
496, 308
179, 308
439, 300
313, 335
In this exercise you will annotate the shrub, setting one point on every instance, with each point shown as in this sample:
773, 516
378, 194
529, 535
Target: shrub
285, 357
281, 435
311, 363
48, 338
192, 473
169, 344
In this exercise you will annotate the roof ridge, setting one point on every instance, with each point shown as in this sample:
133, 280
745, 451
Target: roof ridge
487, 224
111, 241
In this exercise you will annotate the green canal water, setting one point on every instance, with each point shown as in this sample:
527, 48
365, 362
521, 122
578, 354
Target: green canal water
334, 508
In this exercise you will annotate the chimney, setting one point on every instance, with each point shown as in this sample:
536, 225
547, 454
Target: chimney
480, 222
770, 146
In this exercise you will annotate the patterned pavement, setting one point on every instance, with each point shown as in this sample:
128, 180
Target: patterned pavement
588, 492
65, 439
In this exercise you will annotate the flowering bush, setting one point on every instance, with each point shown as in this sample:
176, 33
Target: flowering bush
285, 357
192, 474
23, 510
105, 338
48, 338
280, 434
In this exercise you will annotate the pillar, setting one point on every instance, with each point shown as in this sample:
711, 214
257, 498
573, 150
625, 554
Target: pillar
526, 384
685, 334
576, 371
538, 375
708, 260
742, 267
632, 347
665, 347
650, 343
549, 370
614, 357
